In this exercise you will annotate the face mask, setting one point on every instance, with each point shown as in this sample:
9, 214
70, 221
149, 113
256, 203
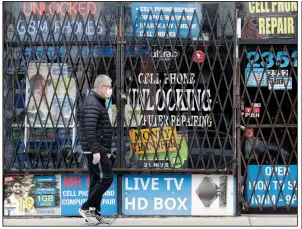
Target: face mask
109, 92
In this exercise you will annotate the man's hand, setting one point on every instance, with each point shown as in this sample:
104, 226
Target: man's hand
96, 158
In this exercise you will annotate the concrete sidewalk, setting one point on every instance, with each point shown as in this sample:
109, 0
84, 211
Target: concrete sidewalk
264, 220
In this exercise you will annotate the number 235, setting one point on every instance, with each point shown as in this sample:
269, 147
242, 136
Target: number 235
282, 59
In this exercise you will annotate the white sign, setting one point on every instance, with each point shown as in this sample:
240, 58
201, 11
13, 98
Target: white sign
280, 83
165, 55
182, 100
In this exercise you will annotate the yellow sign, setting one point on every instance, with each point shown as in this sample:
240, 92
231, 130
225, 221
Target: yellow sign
269, 23
153, 140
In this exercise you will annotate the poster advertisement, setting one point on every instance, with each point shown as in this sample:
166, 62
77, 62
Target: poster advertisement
188, 106
166, 23
213, 195
146, 142
263, 20
74, 193
157, 194
163, 194
50, 92
32, 195
270, 186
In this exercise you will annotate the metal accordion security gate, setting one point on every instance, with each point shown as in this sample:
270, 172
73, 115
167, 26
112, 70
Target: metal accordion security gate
181, 102
268, 123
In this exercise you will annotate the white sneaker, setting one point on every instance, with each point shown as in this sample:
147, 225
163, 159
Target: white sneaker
100, 221
89, 216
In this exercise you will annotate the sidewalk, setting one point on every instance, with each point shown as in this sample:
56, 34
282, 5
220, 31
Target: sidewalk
251, 220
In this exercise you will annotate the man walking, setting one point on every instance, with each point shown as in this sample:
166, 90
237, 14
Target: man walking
96, 138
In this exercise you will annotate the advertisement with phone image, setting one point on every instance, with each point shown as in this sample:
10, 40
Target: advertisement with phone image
32, 195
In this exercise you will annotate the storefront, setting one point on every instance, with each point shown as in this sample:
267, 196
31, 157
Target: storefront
184, 103
268, 64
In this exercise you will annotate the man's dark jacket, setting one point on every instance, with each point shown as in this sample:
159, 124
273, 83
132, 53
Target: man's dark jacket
95, 126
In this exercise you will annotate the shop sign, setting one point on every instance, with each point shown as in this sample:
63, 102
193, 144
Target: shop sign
164, 194
72, 8
74, 193
166, 19
40, 22
269, 185
194, 100
264, 20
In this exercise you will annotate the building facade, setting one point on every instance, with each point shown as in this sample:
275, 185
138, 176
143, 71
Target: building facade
205, 101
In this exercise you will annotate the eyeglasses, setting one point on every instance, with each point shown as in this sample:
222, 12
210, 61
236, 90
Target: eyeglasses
17, 186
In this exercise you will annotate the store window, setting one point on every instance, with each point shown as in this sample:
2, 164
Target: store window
178, 112
50, 65
177, 81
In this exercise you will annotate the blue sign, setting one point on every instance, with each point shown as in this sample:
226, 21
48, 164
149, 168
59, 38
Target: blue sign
269, 59
166, 20
157, 194
74, 192
57, 70
45, 179
85, 51
45, 201
264, 186
46, 191
256, 78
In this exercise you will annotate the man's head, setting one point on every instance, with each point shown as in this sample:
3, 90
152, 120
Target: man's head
103, 86
17, 187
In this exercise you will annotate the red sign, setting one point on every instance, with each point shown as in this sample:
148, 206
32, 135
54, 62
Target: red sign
7, 179
254, 112
60, 7
198, 56
249, 133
